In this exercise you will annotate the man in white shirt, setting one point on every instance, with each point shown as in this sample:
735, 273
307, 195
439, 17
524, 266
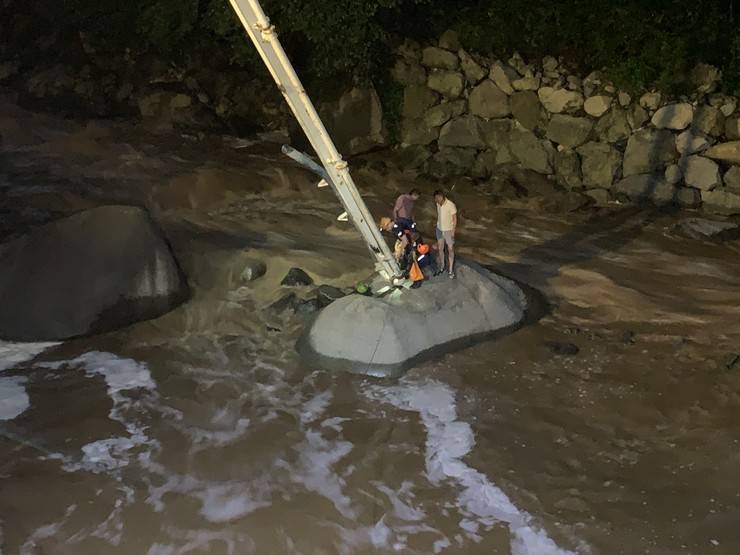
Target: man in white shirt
446, 225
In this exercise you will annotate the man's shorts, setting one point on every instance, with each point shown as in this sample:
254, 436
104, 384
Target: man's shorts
448, 237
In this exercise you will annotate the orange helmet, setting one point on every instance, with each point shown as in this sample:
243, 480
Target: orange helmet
423, 248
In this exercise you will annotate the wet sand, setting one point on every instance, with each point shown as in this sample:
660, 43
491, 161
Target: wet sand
204, 432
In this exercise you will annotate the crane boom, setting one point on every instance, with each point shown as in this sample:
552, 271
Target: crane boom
265, 39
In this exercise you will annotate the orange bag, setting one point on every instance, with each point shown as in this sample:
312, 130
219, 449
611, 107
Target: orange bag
415, 273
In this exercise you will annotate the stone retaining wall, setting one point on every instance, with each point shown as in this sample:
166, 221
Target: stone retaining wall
484, 118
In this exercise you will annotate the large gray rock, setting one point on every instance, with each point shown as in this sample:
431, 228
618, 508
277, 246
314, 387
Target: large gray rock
463, 131
449, 84
721, 201
529, 151
725, 152
488, 101
691, 142
355, 121
674, 116
568, 169
647, 187
600, 164
417, 99
384, 336
569, 131
732, 179
597, 105
701, 173
526, 108
474, 73
614, 126
557, 101
439, 58
648, 150
94, 271
442, 113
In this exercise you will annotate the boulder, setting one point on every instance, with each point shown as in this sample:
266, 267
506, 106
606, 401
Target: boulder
485, 164
417, 132
449, 84
624, 99
613, 127
598, 105
411, 157
705, 78
384, 336
549, 63
732, 127
252, 269
701, 173
728, 106
95, 271
650, 100
450, 40
648, 150
439, 58
569, 131
529, 151
442, 113
327, 294
527, 83
721, 201
526, 108
451, 161
502, 76
408, 72
647, 187
709, 121
557, 101
690, 142
688, 197
637, 117
296, 277
674, 116
496, 132
568, 169
463, 131
673, 174
725, 152
517, 62
417, 99
732, 179
488, 101
474, 73
702, 228
355, 121
600, 164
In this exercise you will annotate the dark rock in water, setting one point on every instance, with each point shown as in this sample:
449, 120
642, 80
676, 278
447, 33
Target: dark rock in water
253, 269
327, 294
562, 348
286, 302
732, 360
628, 337
383, 335
308, 306
94, 271
296, 277
702, 228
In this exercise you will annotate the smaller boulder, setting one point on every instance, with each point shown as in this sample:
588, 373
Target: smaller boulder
327, 294
701, 173
296, 277
557, 101
650, 100
449, 84
732, 179
450, 40
439, 58
674, 116
569, 131
597, 106
690, 142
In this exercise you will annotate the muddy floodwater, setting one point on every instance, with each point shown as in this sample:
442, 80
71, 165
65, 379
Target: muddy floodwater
203, 432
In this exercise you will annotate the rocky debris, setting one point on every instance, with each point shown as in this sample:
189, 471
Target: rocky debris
438, 58
95, 271
562, 348
674, 116
598, 105
650, 100
691, 142
702, 228
296, 277
382, 336
355, 121
725, 152
600, 164
417, 99
474, 73
648, 150
464, 131
647, 187
701, 173
721, 201
557, 101
569, 131
526, 109
450, 40
732, 179
488, 101
705, 78
568, 169
442, 113
449, 84
529, 151
613, 127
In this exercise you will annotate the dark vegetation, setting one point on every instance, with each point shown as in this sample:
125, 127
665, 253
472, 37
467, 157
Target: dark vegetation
642, 43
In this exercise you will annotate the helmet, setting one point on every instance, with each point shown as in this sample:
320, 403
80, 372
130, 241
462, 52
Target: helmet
362, 288
422, 248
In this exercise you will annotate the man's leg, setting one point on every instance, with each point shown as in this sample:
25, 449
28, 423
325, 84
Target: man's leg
450, 240
440, 252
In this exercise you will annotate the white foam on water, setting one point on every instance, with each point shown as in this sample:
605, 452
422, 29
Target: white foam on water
12, 353
448, 441
13, 397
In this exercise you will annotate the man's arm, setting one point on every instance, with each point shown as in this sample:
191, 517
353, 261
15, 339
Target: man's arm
396, 208
454, 222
